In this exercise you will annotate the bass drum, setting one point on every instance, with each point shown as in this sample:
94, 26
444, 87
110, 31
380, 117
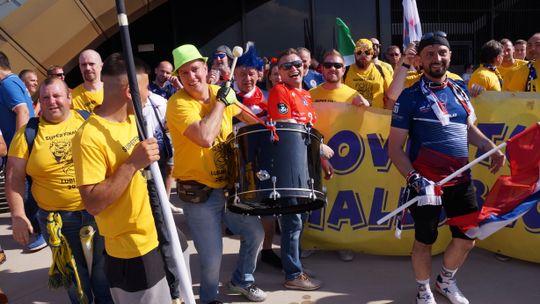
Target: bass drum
269, 177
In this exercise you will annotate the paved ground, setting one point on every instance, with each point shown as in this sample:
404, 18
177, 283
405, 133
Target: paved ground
367, 279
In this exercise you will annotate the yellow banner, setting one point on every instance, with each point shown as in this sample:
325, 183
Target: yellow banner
366, 185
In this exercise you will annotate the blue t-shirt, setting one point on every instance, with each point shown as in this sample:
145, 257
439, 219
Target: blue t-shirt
312, 79
167, 91
12, 93
436, 151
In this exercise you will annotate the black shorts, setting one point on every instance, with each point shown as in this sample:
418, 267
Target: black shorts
136, 274
456, 200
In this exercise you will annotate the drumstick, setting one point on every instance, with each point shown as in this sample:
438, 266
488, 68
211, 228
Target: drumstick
236, 52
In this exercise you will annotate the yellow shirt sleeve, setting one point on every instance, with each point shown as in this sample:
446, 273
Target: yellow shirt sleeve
90, 162
18, 147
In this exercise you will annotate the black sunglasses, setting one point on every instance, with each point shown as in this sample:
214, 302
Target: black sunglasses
329, 65
57, 74
433, 34
367, 53
288, 65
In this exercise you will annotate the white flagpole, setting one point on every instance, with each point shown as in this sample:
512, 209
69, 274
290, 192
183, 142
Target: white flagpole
442, 182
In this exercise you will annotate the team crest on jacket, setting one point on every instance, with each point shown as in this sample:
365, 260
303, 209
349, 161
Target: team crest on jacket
282, 108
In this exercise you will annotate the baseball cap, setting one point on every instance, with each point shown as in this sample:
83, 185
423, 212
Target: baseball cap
184, 54
364, 45
432, 38
224, 49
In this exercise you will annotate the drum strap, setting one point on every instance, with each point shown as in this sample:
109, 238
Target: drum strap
271, 128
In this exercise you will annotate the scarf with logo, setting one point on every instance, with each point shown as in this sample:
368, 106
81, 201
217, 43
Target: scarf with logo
494, 70
530, 77
439, 108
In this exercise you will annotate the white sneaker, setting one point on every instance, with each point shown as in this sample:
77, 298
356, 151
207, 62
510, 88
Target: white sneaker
346, 255
425, 297
450, 290
176, 210
253, 293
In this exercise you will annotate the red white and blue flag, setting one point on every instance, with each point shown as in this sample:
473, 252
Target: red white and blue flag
511, 196
412, 30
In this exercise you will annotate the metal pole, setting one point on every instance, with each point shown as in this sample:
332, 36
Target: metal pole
185, 281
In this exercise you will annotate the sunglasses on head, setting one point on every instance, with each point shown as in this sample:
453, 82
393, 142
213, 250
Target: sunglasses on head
219, 55
367, 53
329, 65
433, 34
288, 65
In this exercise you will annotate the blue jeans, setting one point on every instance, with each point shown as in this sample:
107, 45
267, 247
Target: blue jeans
291, 229
95, 287
204, 221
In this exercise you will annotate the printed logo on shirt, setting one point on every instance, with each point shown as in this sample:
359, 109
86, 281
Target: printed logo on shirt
282, 108
313, 83
305, 101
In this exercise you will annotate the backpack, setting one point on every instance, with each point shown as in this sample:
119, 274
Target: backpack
30, 132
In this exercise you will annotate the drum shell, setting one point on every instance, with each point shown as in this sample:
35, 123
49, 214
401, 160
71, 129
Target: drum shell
254, 158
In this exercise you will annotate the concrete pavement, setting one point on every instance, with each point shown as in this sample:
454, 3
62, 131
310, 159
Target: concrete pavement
367, 279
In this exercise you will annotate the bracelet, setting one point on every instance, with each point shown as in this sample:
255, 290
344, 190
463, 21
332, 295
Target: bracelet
408, 66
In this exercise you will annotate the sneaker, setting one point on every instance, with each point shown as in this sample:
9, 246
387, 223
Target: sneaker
3, 257
425, 297
450, 290
303, 282
176, 210
269, 257
306, 253
35, 246
346, 255
253, 293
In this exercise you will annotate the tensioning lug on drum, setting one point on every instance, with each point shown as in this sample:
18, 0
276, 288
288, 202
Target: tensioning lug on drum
236, 197
262, 175
274, 194
312, 195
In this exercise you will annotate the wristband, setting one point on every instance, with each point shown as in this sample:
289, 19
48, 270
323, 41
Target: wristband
408, 66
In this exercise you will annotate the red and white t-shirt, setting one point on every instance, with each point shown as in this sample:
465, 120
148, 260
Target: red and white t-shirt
286, 103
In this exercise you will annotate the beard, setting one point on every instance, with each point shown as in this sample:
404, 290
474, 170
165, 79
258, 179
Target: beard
436, 73
362, 64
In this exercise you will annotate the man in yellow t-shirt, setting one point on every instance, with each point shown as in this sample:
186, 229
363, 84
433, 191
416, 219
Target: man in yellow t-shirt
333, 89
108, 160
88, 94
487, 76
48, 161
370, 80
525, 78
199, 117
377, 56
509, 63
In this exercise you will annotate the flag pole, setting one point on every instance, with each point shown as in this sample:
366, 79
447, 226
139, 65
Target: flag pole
442, 182
178, 258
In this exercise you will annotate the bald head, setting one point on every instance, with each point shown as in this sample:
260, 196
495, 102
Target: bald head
533, 47
90, 64
163, 72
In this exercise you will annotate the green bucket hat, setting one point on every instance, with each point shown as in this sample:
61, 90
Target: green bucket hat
184, 54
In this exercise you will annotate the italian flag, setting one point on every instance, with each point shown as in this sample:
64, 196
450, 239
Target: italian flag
345, 42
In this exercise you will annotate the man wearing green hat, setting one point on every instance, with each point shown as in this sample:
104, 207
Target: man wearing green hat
199, 117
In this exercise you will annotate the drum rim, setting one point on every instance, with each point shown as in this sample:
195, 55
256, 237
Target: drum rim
313, 132
277, 189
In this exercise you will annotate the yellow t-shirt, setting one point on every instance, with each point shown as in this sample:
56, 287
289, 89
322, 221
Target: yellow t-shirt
81, 99
51, 164
486, 78
193, 162
387, 66
99, 148
342, 94
369, 83
516, 80
414, 76
505, 70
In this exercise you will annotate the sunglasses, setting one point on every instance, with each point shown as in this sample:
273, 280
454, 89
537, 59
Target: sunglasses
57, 74
367, 53
288, 65
219, 55
329, 65
430, 35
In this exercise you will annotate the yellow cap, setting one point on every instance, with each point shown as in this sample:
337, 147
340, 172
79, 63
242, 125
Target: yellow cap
363, 45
